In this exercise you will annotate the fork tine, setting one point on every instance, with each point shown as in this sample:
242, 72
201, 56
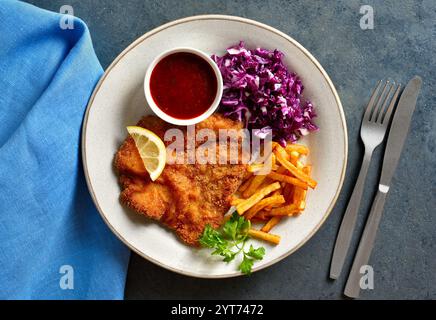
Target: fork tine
380, 101
387, 115
371, 103
381, 112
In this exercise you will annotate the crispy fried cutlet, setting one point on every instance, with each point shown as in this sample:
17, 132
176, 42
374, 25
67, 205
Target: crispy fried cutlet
186, 197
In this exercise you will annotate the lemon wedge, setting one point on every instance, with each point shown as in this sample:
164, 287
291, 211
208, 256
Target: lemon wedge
151, 149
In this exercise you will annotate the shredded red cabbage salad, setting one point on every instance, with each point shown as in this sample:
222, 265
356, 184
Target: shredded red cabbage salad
261, 92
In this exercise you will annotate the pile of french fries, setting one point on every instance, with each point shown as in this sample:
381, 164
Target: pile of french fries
269, 198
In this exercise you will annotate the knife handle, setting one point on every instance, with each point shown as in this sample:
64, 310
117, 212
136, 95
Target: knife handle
345, 234
352, 288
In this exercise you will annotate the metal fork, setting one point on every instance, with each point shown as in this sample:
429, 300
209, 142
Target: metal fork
372, 132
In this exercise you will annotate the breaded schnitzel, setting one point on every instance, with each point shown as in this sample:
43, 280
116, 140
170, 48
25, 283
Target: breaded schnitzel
185, 197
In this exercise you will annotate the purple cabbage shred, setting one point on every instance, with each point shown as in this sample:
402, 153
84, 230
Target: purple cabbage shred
262, 93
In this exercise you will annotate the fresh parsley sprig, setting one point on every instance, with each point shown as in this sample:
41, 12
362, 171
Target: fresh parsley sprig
230, 240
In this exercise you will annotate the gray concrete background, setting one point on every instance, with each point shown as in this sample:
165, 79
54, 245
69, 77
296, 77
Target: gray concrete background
401, 45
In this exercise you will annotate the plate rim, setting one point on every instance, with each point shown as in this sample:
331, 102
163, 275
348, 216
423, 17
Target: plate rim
228, 18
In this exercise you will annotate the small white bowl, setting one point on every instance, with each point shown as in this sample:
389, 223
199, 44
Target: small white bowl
168, 118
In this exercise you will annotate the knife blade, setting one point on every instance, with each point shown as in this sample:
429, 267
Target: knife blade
399, 130
396, 139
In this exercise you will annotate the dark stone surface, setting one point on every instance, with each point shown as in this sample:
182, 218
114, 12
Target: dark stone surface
401, 45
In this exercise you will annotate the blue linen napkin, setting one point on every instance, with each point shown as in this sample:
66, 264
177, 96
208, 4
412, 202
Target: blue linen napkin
53, 243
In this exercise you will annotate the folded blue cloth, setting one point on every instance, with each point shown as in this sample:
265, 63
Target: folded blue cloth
53, 243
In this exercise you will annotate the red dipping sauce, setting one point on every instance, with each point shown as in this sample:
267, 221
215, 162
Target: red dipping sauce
183, 85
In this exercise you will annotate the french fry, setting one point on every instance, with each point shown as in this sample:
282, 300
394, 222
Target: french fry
234, 201
287, 179
273, 160
301, 206
275, 239
281, 170
254, 185
294, 157
299, 196
265, 183
295, 171
261, 220
279, 150
246, 184
269, 201
287, 210
233, 197
275, 193
247, 175
274, 145
271, 224
301, 149
262, 215
255, 167
299, 165
256, 197
288, 191
252, 168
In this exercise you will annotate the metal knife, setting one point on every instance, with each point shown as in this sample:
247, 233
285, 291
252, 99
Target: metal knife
397, 136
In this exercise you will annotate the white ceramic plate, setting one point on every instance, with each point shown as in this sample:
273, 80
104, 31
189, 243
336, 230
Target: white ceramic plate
118, 100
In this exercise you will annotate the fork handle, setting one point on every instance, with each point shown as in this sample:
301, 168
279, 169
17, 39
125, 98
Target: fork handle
343, 239
352, 288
